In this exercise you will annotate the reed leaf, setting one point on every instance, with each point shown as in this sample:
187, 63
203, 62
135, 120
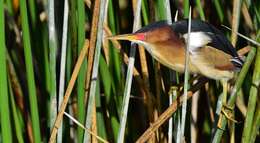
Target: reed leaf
30, 72
4, 100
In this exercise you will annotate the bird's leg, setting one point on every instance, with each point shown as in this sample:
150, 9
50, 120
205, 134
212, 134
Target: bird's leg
224, 100
225, 110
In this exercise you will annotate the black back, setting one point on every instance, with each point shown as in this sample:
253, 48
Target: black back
219, 41
152, 26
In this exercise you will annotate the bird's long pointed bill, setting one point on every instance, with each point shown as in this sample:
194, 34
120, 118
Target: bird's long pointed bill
129, 37
123, 37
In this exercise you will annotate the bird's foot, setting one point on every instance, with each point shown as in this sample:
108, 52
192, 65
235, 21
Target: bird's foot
227, 112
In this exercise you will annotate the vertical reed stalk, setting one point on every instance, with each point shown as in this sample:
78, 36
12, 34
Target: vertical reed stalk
52, 59
235, 20
4, 101
186, 81
251, 106
63, 62
129, 76
30, 72
92, 92
82, 72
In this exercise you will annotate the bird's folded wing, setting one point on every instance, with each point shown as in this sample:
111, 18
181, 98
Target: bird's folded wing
213, 63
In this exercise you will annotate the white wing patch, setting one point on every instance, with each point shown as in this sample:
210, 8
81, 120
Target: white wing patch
197, 40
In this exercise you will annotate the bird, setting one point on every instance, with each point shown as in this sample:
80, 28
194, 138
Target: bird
210, 53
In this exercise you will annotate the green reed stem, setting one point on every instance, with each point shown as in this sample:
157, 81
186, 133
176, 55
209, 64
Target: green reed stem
251, 106
52, 59
83, 69
201, 12
4, 100
219, 10
30, 73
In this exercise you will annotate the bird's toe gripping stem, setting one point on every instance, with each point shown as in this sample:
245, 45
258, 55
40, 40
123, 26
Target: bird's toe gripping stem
227, 112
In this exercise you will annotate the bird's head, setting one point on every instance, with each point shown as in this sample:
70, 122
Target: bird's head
153, 36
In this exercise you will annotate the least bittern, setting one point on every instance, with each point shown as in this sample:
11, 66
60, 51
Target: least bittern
211, 54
